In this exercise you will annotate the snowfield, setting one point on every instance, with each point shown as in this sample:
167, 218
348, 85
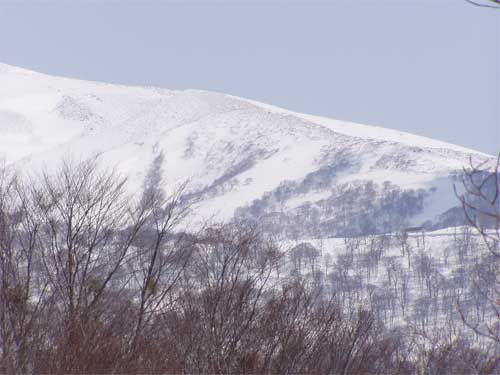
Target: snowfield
337, 196
230, 150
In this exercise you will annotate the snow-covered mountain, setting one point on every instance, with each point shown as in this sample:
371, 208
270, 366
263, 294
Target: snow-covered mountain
239, 156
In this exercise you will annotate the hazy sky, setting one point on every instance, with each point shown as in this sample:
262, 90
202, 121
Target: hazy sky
430, 67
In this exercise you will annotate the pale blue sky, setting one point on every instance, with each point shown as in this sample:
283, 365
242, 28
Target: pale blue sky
430, 67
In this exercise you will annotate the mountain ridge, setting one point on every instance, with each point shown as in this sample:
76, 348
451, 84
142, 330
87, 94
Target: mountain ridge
313, 118
233, 151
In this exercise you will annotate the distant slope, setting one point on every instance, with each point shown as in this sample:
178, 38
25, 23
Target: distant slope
271, 163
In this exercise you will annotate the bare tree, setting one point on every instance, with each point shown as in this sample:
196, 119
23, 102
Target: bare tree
85, 236
160, 254
481, 205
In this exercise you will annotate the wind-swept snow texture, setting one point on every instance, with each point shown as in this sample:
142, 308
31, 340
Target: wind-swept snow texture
231, 150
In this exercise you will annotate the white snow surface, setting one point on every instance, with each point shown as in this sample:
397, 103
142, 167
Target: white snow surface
231, 148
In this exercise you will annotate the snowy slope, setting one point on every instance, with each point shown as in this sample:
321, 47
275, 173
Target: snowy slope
231, 150
414, 280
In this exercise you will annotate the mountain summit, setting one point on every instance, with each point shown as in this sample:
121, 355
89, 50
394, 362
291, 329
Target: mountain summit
240, 157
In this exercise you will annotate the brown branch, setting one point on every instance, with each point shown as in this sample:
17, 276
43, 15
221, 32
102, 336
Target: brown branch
497, 6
